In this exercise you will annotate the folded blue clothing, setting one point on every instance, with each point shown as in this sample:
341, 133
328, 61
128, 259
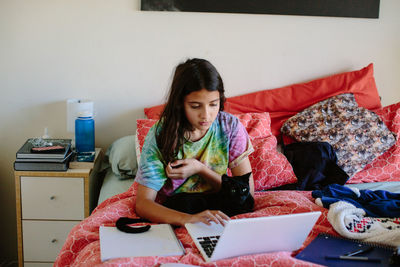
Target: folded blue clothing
378, 203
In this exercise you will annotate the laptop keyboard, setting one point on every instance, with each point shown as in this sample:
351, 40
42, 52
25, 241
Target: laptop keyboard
208, 243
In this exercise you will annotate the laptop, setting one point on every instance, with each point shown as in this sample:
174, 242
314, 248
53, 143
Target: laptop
252, 235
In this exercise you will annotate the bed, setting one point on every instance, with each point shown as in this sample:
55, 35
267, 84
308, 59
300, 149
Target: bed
264, 114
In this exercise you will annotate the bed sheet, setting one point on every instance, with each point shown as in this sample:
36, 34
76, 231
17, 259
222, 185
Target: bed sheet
82, 247
113, 185
393, 187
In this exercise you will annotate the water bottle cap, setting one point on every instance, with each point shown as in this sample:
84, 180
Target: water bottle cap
85, 114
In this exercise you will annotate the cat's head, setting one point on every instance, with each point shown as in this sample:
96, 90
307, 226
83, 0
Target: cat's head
236, 188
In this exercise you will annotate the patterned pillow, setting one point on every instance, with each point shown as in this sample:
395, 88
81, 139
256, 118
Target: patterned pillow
357, 135
270, 168
385, 168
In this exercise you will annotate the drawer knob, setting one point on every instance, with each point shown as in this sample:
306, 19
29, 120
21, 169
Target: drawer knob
53, 197
53, 240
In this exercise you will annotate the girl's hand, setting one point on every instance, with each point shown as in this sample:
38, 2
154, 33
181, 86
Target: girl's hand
209, 216
183, 168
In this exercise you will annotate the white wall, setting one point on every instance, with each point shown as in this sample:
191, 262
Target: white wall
122, 58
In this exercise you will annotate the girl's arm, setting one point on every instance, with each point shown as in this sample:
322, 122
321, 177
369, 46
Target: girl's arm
243, 168
183, 168
146, 207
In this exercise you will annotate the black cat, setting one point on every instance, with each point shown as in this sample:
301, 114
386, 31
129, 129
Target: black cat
233, 198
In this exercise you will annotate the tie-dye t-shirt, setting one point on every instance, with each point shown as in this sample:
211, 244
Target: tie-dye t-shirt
224, 146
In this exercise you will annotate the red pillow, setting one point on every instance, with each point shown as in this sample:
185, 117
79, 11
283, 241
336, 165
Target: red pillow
142, 128
282, 103
385, 168
258, 125
270, 168
154, 112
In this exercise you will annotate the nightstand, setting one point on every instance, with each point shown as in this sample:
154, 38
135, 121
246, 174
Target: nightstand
49, 205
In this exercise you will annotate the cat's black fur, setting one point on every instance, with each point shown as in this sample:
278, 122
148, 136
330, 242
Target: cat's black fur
233, 198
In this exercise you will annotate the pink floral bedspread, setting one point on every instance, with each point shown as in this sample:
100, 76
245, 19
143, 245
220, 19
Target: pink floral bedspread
82, 247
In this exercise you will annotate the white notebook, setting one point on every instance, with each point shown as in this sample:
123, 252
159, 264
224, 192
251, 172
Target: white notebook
159, 240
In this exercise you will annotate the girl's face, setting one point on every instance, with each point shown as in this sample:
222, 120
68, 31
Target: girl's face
201, 109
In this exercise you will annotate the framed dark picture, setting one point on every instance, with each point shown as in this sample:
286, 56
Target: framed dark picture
332, 8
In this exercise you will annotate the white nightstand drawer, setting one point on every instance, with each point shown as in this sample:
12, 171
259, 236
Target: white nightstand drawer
52, 198
43, 239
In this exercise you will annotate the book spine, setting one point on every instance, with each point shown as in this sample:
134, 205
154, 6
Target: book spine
46, 160
29, 166
41, 156
26, 150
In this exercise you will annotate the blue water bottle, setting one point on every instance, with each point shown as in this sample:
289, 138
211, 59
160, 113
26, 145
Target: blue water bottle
84, 136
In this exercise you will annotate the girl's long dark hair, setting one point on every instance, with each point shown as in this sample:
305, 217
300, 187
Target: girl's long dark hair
193, 75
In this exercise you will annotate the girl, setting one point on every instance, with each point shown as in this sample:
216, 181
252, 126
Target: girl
191, 146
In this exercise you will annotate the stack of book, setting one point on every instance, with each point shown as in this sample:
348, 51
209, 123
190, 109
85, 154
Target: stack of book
39, 154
